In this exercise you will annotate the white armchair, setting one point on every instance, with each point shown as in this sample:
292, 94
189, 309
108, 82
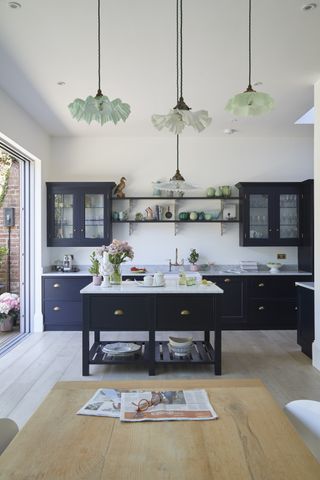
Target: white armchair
305, 416
8, 429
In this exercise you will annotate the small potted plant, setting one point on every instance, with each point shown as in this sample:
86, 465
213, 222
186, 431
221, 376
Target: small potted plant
193, 258
95, 269
9, 310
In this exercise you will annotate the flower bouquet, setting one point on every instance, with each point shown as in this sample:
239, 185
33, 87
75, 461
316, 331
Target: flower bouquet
118, 251
9, 310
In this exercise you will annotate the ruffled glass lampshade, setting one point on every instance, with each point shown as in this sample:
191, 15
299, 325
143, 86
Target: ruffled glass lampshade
100, 109
249, 103
176, 120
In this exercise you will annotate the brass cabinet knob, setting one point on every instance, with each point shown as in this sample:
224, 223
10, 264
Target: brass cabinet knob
56, 309
261, 308
227, 280
56, 285
118, 312
184, 312
261, 284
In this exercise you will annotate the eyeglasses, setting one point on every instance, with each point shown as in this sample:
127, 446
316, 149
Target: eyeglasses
144, 404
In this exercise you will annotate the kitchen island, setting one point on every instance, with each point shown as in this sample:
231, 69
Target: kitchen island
131, 307
305, 330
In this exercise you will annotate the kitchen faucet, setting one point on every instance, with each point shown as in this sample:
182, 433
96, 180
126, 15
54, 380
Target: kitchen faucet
176, 263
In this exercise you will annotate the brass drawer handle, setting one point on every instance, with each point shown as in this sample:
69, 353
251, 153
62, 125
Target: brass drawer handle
261, 284
56, 309
227, 280
184, 312
118, 312
261, 308
56, 285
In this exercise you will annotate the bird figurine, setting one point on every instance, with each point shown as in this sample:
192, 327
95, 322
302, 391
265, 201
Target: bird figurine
119, 189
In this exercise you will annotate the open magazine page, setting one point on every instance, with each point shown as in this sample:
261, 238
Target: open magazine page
166, 405
104, 403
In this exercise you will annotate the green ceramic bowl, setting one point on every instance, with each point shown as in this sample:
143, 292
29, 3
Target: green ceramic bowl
193, 216
183, 216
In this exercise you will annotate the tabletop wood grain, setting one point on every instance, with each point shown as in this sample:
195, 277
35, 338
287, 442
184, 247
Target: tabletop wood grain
251, 440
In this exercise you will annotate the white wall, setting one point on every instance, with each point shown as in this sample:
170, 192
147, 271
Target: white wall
316, 344
205, 161
20, 130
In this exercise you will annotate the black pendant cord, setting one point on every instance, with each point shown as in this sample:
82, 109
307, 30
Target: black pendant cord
181, 69
177, 47
179, 17
178, 152
99, 53
249, 86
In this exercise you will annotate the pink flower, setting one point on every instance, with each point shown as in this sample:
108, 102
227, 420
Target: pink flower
9, 302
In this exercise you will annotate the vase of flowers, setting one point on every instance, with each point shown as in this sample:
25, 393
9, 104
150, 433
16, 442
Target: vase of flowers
118, 251
9, 310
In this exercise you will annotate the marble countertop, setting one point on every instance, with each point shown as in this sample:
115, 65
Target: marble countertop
214, 270
309, 285
133, 287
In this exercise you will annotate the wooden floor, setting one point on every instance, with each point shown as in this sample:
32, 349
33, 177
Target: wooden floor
6, 336
29, 371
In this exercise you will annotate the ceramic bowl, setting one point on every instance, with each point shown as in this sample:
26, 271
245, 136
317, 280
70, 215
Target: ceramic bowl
274, 267
180, 342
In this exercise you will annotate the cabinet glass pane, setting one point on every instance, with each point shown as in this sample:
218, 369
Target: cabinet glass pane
289, 220
259, 216
94, 215
63, 215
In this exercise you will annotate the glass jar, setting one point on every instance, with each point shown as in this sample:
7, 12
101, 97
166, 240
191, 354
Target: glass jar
115, 275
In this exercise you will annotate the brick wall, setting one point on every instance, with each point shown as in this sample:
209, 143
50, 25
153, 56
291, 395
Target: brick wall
12, 199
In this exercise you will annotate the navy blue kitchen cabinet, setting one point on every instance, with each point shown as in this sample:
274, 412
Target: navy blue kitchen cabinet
269, 214
233, 303
79, 214
61, 305
261, 302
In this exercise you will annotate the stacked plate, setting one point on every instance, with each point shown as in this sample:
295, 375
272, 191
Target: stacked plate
180, 346
121, 349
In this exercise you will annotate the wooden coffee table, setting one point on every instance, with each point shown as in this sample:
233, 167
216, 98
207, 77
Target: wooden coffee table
252, 439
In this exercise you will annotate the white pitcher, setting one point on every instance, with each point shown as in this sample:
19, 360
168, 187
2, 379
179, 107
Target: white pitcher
158, 279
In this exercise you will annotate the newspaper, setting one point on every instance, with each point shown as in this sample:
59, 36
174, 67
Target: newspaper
166, 405
104, 403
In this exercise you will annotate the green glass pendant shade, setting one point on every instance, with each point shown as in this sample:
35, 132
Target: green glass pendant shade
250, 103
100, 109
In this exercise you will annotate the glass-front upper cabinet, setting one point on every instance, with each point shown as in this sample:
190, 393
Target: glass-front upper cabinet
289, 216
63, 215
259, 216
79, 214
94, 212
269, 214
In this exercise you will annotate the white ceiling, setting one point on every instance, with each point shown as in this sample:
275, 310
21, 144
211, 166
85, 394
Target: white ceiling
47, 41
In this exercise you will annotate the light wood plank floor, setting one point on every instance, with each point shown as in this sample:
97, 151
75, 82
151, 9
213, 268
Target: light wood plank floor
28, 372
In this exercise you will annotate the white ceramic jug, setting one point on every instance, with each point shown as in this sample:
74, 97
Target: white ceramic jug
158, 279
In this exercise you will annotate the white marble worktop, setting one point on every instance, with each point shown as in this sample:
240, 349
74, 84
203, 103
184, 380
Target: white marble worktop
133, 287
213, 270
309, 285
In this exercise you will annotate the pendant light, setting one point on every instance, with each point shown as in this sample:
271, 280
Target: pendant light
181, 116
177, 183
250, 102
99, 108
